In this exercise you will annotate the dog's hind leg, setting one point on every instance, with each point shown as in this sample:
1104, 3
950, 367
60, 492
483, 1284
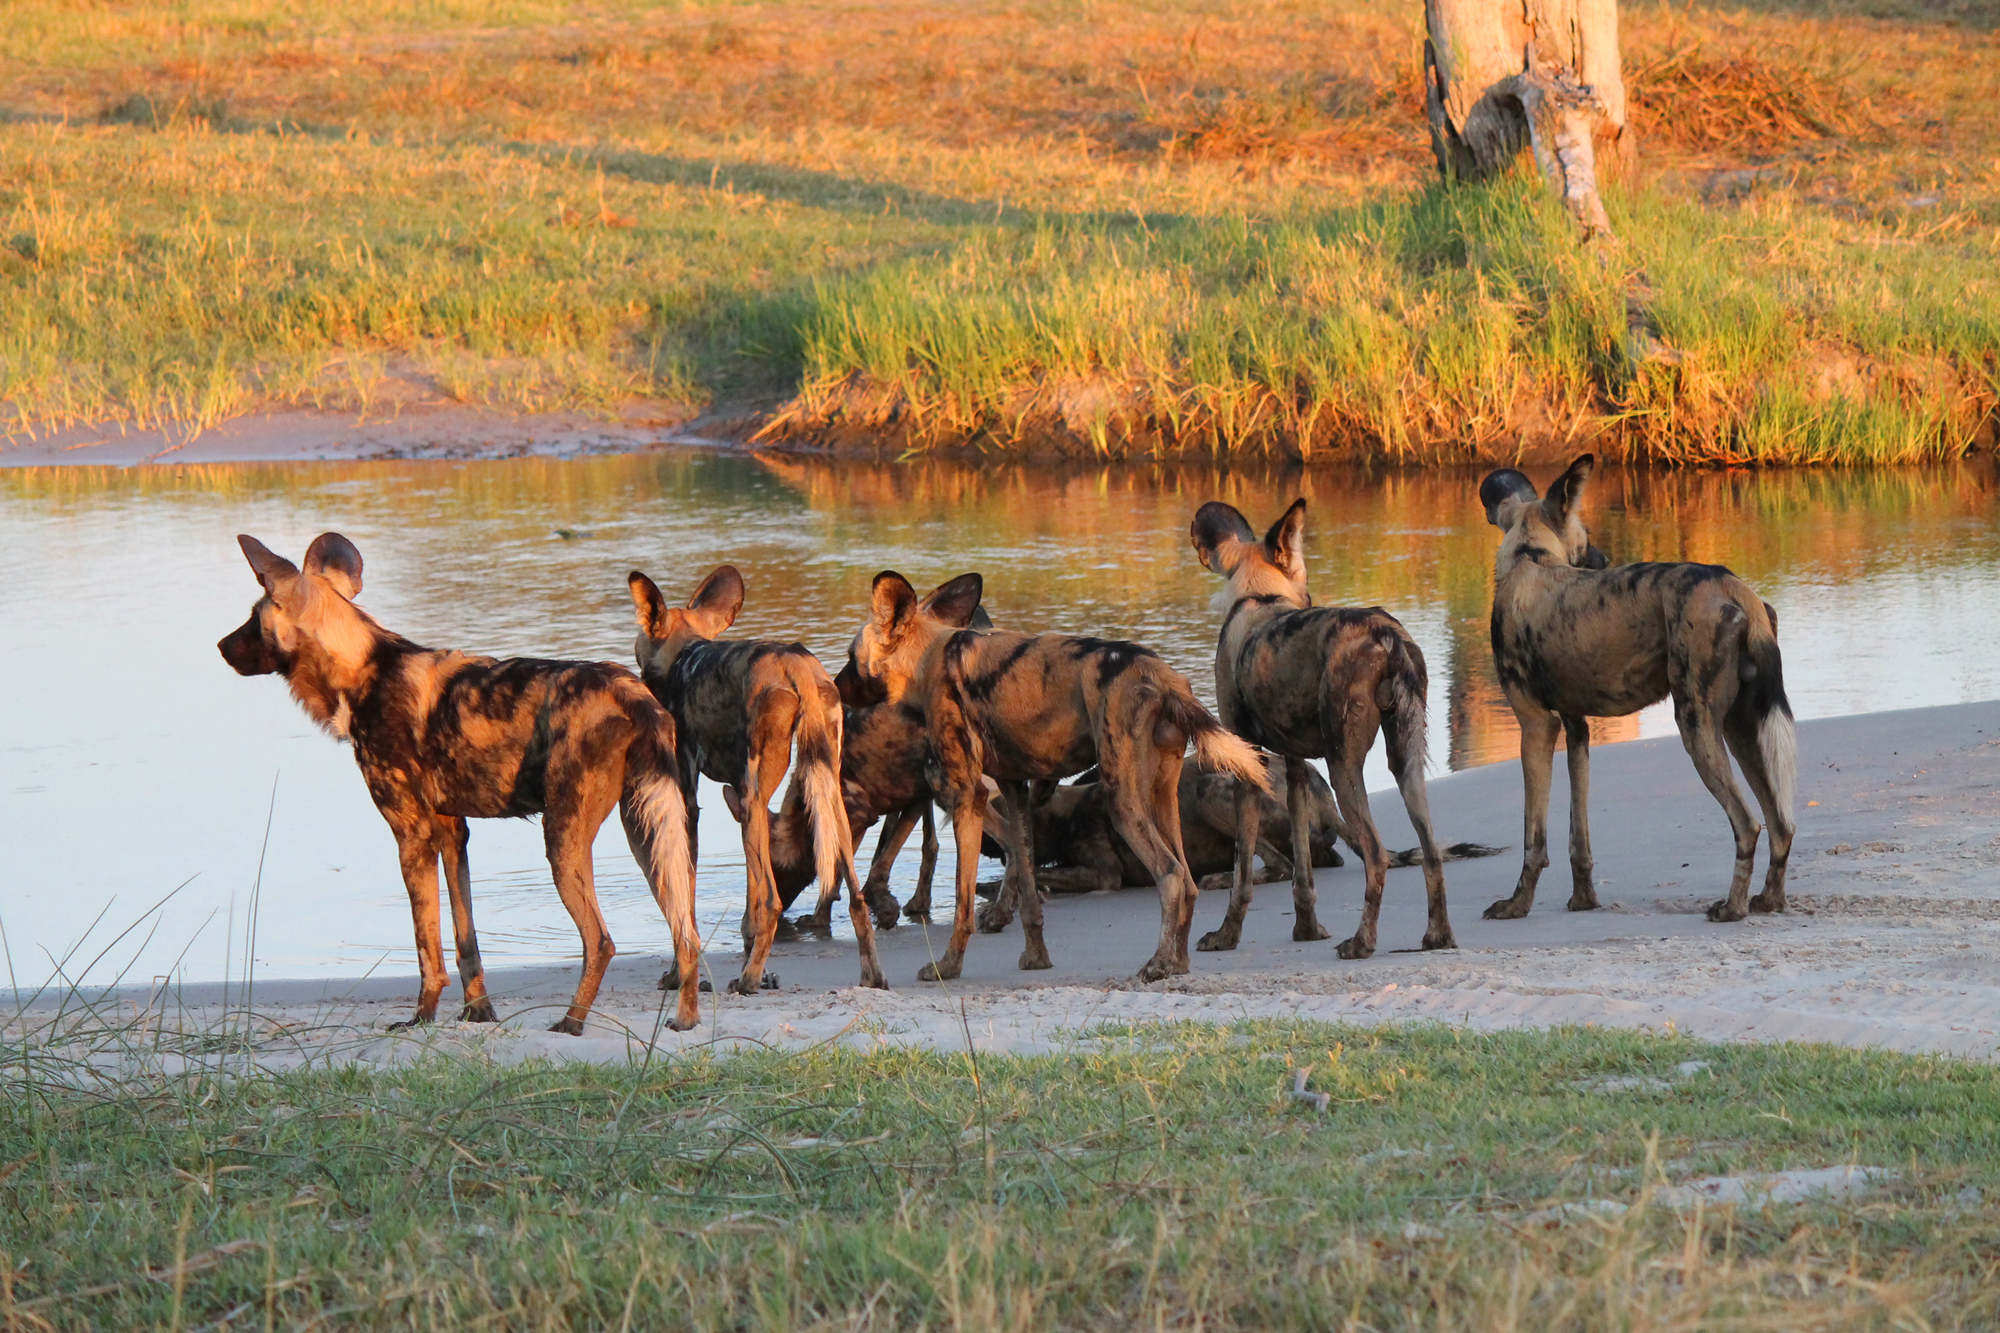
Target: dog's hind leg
1701, 724
957, 747
452, 837
1407, 763
569, 827
1583, 890
1298, 801
1147, 820
1744, 735
888, 846
1538, 751
1249, 815
773, 715
417, 848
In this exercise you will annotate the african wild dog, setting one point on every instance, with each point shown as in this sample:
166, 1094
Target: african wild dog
1315, 682
443, 736
1573, 643
1027, 708
737, 704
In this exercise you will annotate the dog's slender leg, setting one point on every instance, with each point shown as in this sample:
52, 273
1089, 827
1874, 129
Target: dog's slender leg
452, 838
1137, 824
958, 752
1701, 734
1408, 766
416, 846
568, 829
1305, 901
1744, 742
770, 745
676, 903
1021, 867
1349, 790
1583, 891
1538, 751
998, 914
1249, 813
888, 846
918, 908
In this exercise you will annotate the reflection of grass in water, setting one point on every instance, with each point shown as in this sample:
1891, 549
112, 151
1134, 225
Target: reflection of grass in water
1157, 1177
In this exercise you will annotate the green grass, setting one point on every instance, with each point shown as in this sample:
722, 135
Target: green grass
1165, 228
1157, 1178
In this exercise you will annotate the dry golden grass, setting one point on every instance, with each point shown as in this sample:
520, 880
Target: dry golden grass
851, 137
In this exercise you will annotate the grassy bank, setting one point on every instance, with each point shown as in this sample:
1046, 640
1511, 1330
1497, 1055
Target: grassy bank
1162, 1179
1099, 227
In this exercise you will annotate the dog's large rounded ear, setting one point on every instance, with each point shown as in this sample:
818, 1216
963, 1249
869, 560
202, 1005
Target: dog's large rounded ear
955, 602
979, 620
1567, 490
1502, 487
335, 559
1218, 534
891, 602
1285, 543
279, 576
649, 606
716, 603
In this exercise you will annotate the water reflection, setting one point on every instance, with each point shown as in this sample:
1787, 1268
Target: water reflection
133, 757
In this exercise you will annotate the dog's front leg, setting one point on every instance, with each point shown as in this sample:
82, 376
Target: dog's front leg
998, 914
452, 838
1583, 891
415, 846
1249, 816
958, 754
1538, 751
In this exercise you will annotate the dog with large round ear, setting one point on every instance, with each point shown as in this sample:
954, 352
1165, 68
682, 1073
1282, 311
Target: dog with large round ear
957, 602
709, 613
1506, 494
1220, 535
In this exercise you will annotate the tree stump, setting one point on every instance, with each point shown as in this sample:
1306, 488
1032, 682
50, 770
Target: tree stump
1503, 75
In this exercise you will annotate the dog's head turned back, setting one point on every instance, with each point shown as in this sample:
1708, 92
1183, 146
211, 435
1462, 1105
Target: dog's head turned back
1549, 528
1275, 567
889, 650
664, 631
305, 627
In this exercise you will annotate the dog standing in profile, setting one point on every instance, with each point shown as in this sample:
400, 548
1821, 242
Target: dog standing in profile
737, 705
442, 737
1573, 640
1308, 683
1024, 708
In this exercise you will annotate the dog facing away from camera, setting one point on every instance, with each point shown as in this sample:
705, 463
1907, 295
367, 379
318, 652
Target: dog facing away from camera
1027, 708
1572, 641
1313, 682
737, 705
442, 736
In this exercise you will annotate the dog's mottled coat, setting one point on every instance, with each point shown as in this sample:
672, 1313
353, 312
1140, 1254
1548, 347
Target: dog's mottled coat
441, 737
1572, 641
1315, 683
737, 705
1026, 708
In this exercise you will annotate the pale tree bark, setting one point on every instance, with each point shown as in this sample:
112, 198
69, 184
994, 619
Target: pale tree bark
1503, 75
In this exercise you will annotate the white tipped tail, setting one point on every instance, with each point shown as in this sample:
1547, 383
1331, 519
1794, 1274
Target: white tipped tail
1215, 746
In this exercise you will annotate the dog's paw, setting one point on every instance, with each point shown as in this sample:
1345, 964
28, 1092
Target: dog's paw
1720, 911
706, 987
1444, 941
420, 1020
1764, 902
1218, 941
569, 1027
1354, 947
1035, 960
769, 981
940, 971
992, 922
1305, 932
479, 1011
1507, 909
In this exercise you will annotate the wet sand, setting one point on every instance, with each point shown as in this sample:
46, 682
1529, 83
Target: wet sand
1892, 940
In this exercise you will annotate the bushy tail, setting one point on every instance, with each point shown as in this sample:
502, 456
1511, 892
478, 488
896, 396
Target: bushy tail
656, 808
819, 736
1407, 688
1215, 746
1761, 698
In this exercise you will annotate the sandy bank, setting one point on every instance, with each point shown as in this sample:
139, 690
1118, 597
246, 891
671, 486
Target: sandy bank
1893, 939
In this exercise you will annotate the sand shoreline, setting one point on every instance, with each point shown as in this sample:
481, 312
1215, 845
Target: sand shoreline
1893, 940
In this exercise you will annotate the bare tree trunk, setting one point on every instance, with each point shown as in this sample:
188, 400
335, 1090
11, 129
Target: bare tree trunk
1503, 75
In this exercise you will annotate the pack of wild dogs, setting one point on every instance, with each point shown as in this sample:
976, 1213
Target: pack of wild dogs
935, 707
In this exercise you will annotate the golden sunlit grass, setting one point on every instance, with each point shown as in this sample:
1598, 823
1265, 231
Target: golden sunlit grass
1095, 226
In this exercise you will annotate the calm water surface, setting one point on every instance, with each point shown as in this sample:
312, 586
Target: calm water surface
132, 759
